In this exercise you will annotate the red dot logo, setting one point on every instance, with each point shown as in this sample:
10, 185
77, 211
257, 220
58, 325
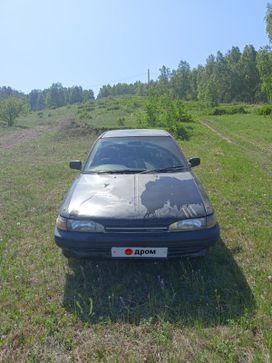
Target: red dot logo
128, 251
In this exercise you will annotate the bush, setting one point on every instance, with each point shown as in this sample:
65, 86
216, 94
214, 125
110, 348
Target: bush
181, 115
265, 110
165, 112
231, 110
11, 108
179, 131
217, 111
238, 109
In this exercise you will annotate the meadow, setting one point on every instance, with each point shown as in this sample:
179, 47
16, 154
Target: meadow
216, 309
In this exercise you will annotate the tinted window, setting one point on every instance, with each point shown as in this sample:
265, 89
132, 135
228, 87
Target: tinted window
134, 153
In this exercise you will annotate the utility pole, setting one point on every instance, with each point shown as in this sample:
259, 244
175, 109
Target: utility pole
148, 76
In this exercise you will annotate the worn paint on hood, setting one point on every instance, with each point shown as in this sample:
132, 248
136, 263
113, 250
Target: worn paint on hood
135, 197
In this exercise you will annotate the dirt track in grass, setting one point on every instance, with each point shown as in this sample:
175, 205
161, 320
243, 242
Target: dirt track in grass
223, 137
7, 141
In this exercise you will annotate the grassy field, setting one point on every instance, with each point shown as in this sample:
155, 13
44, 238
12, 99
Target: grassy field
218, 309
254, 133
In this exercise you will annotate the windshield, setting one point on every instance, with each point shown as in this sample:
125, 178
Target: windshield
134, 155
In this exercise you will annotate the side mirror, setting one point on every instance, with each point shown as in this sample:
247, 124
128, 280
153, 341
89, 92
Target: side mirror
75, 164
194, 161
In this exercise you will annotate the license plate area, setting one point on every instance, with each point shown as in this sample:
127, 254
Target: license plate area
139, 252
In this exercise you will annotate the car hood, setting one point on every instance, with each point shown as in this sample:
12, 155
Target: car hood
136, 197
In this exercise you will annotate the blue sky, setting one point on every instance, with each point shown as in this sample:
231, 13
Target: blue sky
96, 42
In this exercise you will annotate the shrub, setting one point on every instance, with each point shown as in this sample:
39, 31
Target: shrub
181, 115
217, 111
265, 110
238, 109
11, 108
180, 131
164, 112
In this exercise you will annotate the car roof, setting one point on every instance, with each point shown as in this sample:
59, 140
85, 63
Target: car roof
134, 132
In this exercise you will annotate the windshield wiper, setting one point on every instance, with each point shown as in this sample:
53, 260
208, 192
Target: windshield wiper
122, 171
164, 170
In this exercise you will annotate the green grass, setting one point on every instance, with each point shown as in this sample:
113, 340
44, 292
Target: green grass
215, 310
251, 130
46, 117
107, 112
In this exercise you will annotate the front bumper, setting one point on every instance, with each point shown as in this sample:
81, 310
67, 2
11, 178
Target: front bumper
98, 245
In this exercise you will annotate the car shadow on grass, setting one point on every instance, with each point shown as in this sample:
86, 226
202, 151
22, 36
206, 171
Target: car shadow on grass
203, 292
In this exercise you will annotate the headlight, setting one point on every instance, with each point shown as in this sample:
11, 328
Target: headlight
188, 224
193, 224
82, 225
211, 221
61, 223
78, 225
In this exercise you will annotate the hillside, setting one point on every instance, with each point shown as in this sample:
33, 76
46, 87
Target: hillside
213, 310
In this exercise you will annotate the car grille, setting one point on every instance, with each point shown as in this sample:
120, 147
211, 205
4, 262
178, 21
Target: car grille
136, 229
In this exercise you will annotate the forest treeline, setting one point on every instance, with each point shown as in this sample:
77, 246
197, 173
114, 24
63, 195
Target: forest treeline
53, 97
232, 77
237, 76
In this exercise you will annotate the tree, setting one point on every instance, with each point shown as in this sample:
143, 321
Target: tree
36, 100
268, 21
163, 82
233, 58
207, 91
88, 95
264, 65
11, 108
222, 79
139, 88
6, 92
250, 79
105, 91
193, 83
75, 94
55, 96
264, 58
180, 81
